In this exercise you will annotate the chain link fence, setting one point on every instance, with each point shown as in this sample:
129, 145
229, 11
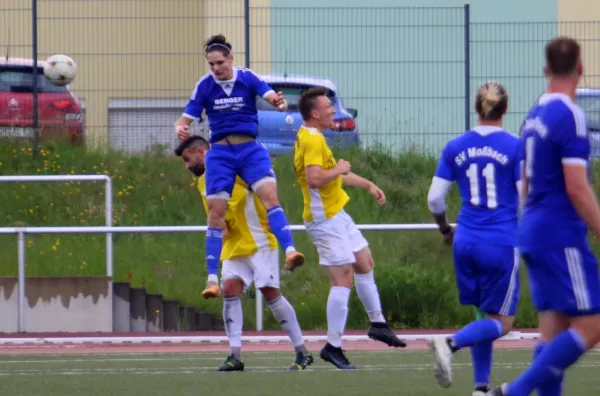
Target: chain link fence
408, 74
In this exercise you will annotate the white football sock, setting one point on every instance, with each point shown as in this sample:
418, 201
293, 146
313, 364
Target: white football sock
337, 314
369, 296
286, 316
233, 319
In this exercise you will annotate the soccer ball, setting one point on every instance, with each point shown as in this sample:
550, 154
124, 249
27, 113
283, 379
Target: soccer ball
60, 70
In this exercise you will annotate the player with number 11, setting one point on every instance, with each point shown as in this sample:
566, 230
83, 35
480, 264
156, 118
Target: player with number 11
484, 163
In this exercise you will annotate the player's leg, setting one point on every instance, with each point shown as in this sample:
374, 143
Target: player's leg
572, 287
550, 325
236, 277
220, 178
265, 267
335, 254
364, 281
256, 169
488, 277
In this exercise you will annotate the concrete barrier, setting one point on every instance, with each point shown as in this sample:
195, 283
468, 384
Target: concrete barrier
65, 304
171, 316
187, 315
137, 298
154, 312
121, 307
204, 321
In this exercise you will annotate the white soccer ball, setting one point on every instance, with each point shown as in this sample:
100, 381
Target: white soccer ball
60, 70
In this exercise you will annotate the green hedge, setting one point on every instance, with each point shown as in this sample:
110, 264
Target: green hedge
413, 269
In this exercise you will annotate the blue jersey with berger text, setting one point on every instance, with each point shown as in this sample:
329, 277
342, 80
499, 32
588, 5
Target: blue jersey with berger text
554, 133
230, 105
484, 163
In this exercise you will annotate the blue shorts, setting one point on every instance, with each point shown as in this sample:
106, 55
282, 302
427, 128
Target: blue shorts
487, 277
564, 280
224, 162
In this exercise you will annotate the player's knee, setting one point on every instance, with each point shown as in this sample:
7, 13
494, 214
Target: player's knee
341, 275
507, 322
266, 189
589, 328
270, 293
216, 213
233, 287
364, 261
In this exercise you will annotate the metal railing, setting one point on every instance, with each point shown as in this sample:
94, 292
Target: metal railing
109, 230
21, 234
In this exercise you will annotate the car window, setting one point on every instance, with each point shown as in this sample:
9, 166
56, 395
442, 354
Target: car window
20, 79
292, 93
591, 107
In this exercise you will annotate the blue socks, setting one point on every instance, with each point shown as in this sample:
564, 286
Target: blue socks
550, 364
482, 363
552, 387
480, 331
280, 228
214, 245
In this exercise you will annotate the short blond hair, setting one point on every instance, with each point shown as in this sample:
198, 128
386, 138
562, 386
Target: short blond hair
491, 101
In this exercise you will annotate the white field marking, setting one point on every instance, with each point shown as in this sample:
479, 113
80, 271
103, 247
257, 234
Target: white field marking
100, 356
198, 358
259, 369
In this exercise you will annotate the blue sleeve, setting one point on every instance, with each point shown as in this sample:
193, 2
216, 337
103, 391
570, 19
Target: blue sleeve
444, 168
257, 84
574, 143
194, 108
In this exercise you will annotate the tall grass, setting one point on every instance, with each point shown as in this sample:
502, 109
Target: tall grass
413, 269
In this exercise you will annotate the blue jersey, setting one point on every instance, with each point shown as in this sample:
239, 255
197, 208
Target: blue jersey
554, 133
230, 105
484, 162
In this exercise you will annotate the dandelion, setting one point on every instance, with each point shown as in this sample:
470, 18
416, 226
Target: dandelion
162, 198
120, 194
54, 248
83, 263
57, 156
70, 254
57, 242
41, 253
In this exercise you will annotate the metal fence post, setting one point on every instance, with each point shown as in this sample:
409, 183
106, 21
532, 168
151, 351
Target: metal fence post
467, 66
247, 32
109, 219
21, 280
34, 49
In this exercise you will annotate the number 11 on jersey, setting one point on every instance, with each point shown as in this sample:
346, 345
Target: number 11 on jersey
489, 174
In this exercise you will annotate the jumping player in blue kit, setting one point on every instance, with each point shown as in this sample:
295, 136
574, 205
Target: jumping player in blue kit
228, 95
559, 206
484, 163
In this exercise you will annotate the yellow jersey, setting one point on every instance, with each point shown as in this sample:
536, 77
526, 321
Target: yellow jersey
247, 223
324, 202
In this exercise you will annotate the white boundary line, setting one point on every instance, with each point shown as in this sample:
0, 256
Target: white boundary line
512, 336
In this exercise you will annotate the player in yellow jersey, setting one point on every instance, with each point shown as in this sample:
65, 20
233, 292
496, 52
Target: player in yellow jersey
342, 248
250, 255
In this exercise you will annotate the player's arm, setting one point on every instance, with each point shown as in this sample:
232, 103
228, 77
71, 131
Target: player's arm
191, 113
266, 92
353, 180
317, 176
438, 191
575, 151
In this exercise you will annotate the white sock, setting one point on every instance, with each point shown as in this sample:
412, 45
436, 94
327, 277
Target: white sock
286, 316
234, 323
369, 296
337, 313
213, 278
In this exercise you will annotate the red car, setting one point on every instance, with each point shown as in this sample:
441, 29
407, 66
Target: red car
60, 114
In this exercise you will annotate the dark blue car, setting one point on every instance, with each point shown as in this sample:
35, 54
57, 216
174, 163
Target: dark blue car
589, 100
277, 130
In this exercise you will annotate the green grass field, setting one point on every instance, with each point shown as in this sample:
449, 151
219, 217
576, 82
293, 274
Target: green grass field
393, 373
413, 269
